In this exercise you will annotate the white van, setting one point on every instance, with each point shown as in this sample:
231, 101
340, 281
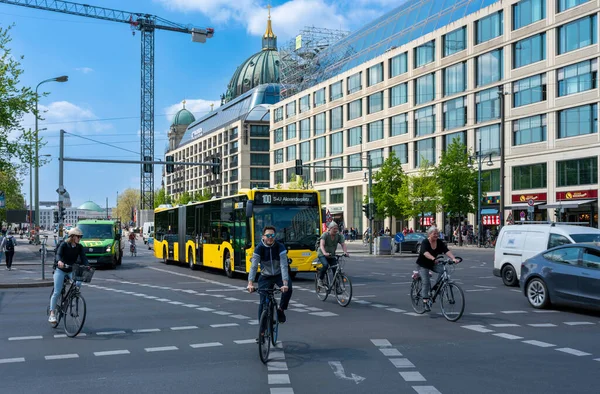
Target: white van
517, 243
148, 228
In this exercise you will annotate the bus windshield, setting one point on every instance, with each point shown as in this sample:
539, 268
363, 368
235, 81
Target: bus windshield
297, 226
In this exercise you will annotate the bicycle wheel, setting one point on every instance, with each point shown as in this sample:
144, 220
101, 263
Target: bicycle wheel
453, 301
74, 314
415, 296
343, 290
274, 326
322, 292
264, 342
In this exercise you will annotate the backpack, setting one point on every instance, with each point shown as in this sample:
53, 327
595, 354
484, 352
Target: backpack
10, 244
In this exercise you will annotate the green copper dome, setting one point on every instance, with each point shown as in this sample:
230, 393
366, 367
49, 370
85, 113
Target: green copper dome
91, 206
183, 117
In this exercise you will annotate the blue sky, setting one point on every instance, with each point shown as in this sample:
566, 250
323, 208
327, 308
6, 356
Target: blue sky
101, 100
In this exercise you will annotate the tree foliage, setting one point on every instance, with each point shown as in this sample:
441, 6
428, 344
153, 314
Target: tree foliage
423, 192
184, 198
11, 186
161, 197
457, 181
205, 195
297, 182
388, 184
128, 200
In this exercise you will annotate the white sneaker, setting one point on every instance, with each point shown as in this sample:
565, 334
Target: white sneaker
52, 319
320, 282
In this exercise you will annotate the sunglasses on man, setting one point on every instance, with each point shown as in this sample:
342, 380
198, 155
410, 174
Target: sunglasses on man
270, 235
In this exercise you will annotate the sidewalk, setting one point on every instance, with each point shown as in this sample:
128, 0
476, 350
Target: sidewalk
26, 267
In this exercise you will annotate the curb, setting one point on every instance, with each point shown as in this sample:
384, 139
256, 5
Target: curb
22, 285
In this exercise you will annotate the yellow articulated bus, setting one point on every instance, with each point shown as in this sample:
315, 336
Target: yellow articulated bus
222, 233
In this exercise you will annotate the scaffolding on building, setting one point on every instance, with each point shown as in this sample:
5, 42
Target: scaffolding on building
300, 58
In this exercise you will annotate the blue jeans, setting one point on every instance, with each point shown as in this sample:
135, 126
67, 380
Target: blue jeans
426, 280
268, 282
326, 261
59, 277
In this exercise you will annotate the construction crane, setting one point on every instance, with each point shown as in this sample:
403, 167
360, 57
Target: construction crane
146, 24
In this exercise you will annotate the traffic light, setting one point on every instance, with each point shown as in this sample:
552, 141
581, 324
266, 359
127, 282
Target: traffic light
170, 167
55, 216
216, 168
148, 167
367, 211
372, 210
298, 167
62, 213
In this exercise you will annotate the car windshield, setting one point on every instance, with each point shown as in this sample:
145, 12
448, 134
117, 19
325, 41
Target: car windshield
580, 238
297, 226
97, 231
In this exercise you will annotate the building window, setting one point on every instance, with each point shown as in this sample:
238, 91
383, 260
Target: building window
490, 181
355, 83
490, 140
489, 27
577, 172
305, 151
304, 129
290, 131
578, 121
335, 91
425, 54
425, 121
278, 114
290, 152
529, 90
233, 146
487, 104
354, 163
355, 109
375, 131
577, 78
259, 145
320, 123
375, 74
577, 34
290, 174
398, 65
529, 50
278, 135
305, 103
525, 12
455, 41
529, 130
290, 109
336, 118
460, 136
336, 172
455, 113
278, 156
566, 4
398, 125
489, 67
319, 149
401, 152
425, 89
257, 131
319, 97
320, 173
532, 176
455, 79
278, 177
355, 136
234, 132
259, 159
336, 196
398, 95
259, 174
375, 102
376, 157
336, 143
425, 152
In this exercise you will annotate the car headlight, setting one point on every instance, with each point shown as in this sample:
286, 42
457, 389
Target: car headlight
108, 248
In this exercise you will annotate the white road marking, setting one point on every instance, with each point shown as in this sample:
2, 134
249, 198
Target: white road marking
224, 325
281, 390
505, 325
211, 290
542, 325
381, 342
277, 355
478, 328
482, 313
485, 287
12, 360
516, 291
232, 299
253, 322
244, 341
358, 284
298, 304
578, 323
412, 376
545, 311
190, 305
208, 344
338, 371
298, 310
205, 309
512, 312
277, 366
25, 338
323, 314
472, 290
402, 363
161, 349
363, 302
390, 352
110, 332
176, 303
241, 317
184, 328
312, 309
61, 356
279, 378
507, 336
111, 353
143, 330
414, 314
366, 296
400, 283
222, 313
379, 306
163, 299
574, 352
426, 390
539, 343
196, 278
396, 310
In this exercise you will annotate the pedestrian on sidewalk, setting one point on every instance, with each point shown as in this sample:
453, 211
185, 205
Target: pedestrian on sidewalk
9, 249
2, 238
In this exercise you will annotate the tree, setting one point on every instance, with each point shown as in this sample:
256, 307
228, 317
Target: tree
205, 195
297, 182
387, 185
161, 197
184, 198
128, 201
11, 186
423, 192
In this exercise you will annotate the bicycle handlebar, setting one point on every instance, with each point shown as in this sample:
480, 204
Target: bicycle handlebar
447, 260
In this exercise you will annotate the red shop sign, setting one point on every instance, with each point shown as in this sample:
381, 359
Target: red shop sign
537, 197
426, 221
490, 220
576, 195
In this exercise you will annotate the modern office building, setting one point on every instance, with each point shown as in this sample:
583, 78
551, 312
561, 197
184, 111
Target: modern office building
519, 76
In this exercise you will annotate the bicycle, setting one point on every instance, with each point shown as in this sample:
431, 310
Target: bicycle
335, 278
451, 293
72, 304
132, 249
268, 327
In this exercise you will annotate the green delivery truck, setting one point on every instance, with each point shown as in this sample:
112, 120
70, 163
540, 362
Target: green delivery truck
102, 241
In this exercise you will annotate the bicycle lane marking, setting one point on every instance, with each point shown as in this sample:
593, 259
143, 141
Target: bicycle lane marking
400, 362
277, 363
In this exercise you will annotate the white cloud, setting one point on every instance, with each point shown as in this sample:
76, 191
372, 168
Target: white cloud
85, 70
68, 116
198, 107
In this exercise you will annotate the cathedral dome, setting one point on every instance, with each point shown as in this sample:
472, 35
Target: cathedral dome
183, 117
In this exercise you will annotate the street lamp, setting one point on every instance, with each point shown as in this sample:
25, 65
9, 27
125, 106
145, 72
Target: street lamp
479, 157
62, 78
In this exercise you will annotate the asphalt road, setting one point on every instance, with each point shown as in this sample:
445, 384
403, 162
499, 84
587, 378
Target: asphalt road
153, 328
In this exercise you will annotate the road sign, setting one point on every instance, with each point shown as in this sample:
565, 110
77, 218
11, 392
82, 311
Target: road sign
2, 199
530, 202
399, 237
522, 215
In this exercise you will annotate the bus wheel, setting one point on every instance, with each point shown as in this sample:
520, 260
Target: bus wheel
191, 260
227, 265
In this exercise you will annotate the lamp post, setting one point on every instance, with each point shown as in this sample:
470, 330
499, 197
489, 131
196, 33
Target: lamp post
479, 157
62, 78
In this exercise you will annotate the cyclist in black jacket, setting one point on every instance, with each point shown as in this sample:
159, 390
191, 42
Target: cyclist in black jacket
67, 254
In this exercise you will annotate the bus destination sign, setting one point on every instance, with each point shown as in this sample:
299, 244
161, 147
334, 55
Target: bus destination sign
306, 199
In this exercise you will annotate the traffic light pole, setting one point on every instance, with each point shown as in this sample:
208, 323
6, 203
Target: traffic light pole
370, 197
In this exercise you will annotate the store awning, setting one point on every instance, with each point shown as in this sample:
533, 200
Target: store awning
566, 204
489, 211
522, 205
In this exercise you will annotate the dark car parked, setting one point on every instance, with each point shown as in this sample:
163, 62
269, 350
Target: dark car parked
567, 274
412, 242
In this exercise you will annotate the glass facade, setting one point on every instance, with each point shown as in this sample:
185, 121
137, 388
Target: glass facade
401, 152
355, 136
425, 121
529, 50
398, 125
319, 97
259, 131
305, 151
578, 121
355, 109
336, 172
336, 143
489, 27
355, 83
290, 131
398, 95
336, 118
487, 104
425, 54
455, 79
566, 4
532, 176
577, 77
257, 145
529, 90
336, 91
425, 152
455, 113
290, 153
455, 41
375, 131
278, 177
290, 109
525, 12
320, 172
577, 34
375, 103
278, 114
319, 150
376, 157
354, 163
490, 140
336, 196
529, 130
490, 181
425, 89
489, 67
305, 129
577, 172
398, 65
375, 74
305, 103
459, 135
320, 123
278, 156
278, 135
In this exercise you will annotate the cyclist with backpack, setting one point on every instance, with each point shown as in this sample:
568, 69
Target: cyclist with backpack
9, 249
326, 247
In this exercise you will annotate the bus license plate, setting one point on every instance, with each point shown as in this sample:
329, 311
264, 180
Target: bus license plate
305, 254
